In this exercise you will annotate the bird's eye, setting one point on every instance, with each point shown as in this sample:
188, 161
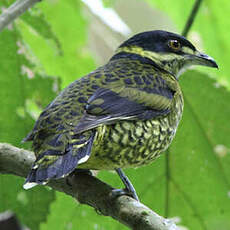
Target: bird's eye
174, 44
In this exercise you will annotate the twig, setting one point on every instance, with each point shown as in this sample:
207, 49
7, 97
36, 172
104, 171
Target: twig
191, 17
14, 11
88, 190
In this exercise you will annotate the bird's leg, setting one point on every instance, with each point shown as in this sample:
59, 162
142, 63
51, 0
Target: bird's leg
129, 189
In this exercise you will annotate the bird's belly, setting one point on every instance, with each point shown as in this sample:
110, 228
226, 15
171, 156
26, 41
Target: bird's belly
130, 143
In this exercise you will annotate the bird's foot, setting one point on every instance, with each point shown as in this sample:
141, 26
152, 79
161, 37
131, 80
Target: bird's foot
125, 191
128, 190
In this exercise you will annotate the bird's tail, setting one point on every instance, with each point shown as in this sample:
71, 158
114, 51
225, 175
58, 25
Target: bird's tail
53, 164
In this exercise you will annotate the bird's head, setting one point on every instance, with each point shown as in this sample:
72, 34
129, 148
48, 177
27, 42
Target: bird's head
169, 51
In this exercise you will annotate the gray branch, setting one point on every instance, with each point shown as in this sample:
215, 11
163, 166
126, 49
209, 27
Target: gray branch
88, 190
14, 11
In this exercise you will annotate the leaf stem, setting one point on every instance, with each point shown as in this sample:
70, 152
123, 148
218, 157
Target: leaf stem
167, 172
191, 17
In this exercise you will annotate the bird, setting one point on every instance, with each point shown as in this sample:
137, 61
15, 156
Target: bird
122, 115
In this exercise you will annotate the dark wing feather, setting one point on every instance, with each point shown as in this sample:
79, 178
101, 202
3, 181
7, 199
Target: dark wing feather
53, 164
108, 105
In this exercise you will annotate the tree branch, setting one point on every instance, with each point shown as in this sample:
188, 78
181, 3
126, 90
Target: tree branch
88, 190
14, 11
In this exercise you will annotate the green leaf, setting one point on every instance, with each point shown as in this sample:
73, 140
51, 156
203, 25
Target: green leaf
72, 215
17, 86
202, 178
71, 32
36, 20
31, 207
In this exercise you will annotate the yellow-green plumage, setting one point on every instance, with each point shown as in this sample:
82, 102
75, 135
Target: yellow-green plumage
135, 143
124, 114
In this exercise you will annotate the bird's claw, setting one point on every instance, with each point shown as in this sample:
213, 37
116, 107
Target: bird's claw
125, 191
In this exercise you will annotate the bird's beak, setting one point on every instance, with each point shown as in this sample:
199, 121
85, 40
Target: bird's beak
203, 59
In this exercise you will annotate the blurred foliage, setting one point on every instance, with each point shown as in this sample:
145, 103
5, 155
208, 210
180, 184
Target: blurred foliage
66, 20
108, 3
190, 183
210, 31
18, 93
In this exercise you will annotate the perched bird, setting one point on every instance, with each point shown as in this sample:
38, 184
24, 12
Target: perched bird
124, 114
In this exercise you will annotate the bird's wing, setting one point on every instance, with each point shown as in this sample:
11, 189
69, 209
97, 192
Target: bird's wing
108, 105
